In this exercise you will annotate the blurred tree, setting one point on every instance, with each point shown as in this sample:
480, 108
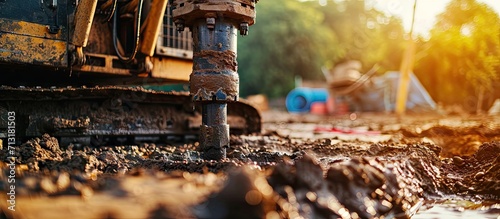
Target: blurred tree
365, 34
462, 56
288, 40
293, 38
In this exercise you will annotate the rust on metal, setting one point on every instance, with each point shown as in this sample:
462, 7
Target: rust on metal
220, 80
57, 123
106, 67
221, 60
32, 50
214, 136
248, 2
238, 10
206, 85
83, 22
213, 141
214, 81
27, 29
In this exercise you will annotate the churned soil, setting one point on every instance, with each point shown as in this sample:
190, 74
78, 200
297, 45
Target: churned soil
349, 166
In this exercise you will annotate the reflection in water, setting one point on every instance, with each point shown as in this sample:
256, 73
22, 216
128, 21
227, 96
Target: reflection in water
455, 209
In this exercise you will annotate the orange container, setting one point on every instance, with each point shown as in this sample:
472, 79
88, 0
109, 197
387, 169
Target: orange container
319, 108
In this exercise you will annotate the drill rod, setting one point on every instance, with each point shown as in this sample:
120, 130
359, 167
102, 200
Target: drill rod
214, 82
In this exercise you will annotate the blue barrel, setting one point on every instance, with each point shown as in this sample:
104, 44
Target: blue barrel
299, 100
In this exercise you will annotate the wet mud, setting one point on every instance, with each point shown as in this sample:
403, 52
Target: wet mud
387, 168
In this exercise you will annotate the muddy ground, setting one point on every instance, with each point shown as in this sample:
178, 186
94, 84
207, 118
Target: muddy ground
349, 166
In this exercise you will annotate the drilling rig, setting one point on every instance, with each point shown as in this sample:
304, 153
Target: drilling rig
71, 68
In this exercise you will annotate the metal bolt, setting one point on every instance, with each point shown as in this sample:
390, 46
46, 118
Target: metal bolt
210, 22
179, 24
244, 29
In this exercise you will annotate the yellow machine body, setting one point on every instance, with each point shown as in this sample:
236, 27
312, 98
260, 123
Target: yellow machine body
70, 42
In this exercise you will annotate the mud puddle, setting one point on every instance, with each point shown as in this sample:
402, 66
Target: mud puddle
372, 166
457, 209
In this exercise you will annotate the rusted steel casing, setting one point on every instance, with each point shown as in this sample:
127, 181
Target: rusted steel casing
214, 75
214, 24
214, 81
188, 11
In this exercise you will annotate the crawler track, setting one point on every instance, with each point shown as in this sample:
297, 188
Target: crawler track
111, 114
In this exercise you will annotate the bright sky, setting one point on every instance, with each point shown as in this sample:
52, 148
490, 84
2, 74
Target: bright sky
425, 14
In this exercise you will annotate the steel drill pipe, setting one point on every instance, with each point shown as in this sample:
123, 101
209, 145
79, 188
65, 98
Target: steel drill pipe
214, 81
214, 136
214, 76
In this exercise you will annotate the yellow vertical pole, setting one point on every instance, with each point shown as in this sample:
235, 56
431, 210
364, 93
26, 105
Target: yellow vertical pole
404, 78
405, 70
480, 100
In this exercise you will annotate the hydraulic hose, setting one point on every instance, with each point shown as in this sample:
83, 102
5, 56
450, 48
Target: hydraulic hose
137, 35
113, 10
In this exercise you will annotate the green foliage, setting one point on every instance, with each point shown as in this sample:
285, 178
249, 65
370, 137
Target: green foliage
292, 38
365, 34
287, 40
462, 54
